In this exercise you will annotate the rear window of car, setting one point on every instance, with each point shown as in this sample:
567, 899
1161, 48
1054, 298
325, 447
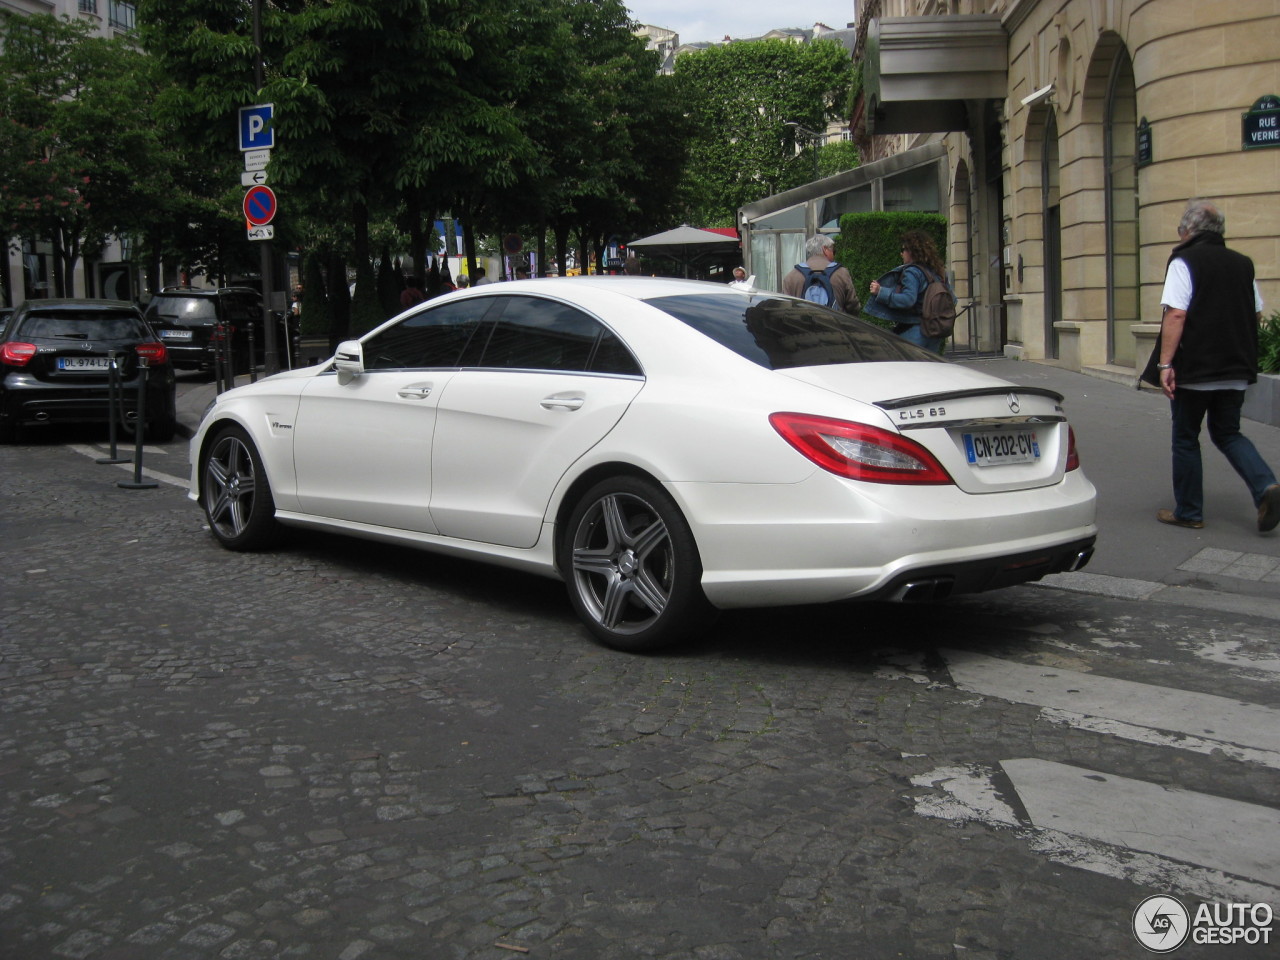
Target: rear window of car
778, 333
183, 309
72, 325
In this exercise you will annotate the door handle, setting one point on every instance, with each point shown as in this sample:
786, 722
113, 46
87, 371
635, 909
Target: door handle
565, 402
418, 391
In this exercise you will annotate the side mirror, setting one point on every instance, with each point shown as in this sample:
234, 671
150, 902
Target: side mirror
349, 361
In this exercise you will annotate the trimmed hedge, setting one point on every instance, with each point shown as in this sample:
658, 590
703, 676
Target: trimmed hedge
1269, 344
869, 245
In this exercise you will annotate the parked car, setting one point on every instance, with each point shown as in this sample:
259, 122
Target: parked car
55, 367
187, 319
666, 447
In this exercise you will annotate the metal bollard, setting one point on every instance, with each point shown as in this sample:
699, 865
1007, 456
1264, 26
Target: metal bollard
114, 407
139, 433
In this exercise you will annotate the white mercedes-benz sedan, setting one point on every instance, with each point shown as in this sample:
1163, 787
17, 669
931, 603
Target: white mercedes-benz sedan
666, 447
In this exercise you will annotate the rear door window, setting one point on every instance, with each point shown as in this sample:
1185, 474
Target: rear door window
536, 334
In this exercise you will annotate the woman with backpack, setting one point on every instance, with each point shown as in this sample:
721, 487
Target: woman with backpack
898, 296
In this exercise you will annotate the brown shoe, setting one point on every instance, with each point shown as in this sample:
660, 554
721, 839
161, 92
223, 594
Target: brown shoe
1166, 516
1269, 509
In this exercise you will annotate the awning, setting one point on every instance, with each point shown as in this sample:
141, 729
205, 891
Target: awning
921, 71
686, 245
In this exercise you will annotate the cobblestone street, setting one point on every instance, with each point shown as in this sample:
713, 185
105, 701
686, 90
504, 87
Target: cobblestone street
344, 750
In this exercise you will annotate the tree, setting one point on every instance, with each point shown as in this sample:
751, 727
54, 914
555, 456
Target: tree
837, 157
740, 97
83, 157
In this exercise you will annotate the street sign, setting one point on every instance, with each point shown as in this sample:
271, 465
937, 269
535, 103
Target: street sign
256, 129
256, 159
265, 232
1262, 124
251, 178
259, 205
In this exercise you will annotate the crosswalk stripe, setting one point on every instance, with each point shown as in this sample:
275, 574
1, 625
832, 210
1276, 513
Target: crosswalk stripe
1199, 715
1238, 838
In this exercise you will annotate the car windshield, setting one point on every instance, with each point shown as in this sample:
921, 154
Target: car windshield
73, 325
778, 332
184, 309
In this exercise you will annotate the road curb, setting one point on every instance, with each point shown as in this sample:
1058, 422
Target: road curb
1120, 588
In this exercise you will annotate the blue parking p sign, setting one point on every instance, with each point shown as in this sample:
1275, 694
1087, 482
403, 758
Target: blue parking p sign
256, 129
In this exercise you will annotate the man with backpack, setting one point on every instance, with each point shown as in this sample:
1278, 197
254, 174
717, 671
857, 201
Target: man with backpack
821, 280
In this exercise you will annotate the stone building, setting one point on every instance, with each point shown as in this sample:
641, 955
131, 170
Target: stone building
1067, 184
1062, 139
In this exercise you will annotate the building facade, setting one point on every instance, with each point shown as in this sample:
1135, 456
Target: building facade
1068, 136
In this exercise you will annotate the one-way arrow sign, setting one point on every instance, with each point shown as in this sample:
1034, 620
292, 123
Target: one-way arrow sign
252, 178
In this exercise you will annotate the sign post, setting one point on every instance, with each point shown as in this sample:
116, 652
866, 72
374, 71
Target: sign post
257, 140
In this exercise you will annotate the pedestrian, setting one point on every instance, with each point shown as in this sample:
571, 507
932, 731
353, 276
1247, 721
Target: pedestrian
1205, 357
480, 279
739, 275
463, 281
821, 279
412, 294
898, 296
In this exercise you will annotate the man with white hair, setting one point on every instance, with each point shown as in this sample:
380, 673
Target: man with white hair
1208, 354
820, 274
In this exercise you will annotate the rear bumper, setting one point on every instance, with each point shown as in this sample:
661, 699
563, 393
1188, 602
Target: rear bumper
33, 402
827, 540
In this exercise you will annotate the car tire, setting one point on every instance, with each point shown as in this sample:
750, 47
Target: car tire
632, 566
235, 494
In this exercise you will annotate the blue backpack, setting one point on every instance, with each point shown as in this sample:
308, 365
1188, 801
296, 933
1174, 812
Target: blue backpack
817, 286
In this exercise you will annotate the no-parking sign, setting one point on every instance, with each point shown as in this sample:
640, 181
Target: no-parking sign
259, 205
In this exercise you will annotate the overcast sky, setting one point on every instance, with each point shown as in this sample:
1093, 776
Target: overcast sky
697, 20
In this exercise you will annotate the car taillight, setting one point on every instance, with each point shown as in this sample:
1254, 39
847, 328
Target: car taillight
17, 354
859, 451
153, 352
1073, 455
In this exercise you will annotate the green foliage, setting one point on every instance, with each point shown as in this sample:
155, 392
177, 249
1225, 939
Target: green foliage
740, 97
869, 243
1269, 344
83, 156
837, 157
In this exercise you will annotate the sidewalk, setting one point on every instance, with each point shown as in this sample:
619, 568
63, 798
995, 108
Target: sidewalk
1123, 438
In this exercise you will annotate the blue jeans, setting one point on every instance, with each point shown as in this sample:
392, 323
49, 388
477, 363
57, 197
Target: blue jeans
913, 334
1223, 407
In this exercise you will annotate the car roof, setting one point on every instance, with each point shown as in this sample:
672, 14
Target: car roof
79, 303
638, 288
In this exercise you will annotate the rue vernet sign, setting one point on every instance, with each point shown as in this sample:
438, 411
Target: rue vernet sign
1261, 125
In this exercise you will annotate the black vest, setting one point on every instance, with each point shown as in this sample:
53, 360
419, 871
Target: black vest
1220, 338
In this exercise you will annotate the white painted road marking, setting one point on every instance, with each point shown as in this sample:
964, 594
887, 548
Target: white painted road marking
94, 453
1199, 715
969, 794
1237, 838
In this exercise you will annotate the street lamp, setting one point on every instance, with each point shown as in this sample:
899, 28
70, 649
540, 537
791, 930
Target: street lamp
812, 136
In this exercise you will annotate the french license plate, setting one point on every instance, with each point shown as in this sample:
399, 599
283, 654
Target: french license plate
175, 334
997, 447
83, 364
